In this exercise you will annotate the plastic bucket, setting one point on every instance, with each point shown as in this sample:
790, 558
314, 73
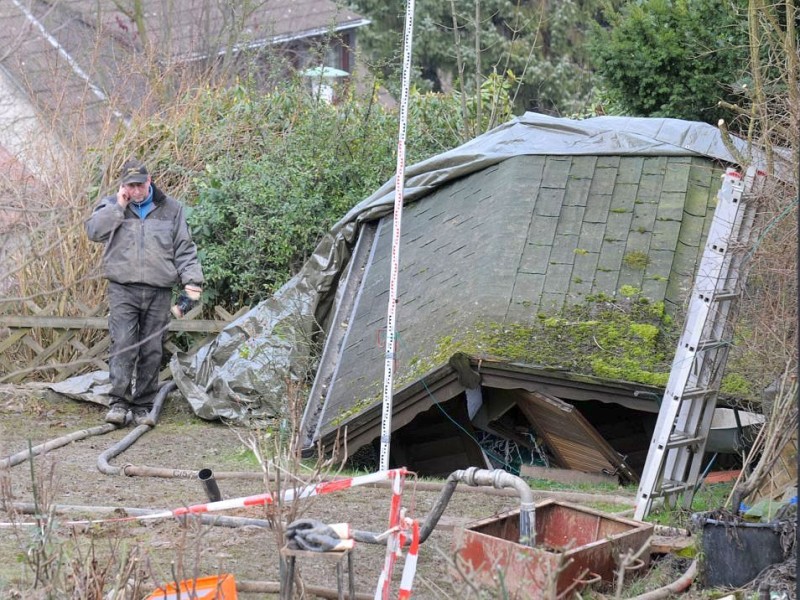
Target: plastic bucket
735, 552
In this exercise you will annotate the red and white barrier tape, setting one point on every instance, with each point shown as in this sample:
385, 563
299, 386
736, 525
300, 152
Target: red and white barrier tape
290, 495
397, 532
393, 544
410, 566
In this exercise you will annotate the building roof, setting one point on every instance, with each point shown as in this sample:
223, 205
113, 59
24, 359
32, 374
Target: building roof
49, 51
528, 235
75, 58
193, 28
535, 213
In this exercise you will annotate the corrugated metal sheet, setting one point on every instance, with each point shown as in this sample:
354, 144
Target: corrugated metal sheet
571, 438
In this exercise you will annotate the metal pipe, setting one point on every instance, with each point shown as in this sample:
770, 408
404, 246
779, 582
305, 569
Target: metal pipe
31, 508
206, 477
167, 473
128, 440
422, 486
273, 587
497, 478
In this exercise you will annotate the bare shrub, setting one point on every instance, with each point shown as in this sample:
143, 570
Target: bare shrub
767, 339
68, 149
766, 351
79, 562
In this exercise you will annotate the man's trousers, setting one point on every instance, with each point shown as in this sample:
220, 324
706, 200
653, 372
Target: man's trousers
138, 323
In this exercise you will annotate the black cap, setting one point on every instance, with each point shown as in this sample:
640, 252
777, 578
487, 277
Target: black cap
133, 171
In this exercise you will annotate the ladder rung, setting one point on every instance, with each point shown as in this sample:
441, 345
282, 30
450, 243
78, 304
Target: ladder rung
690, 393
708, 344
725, 295
680, 438
671, 487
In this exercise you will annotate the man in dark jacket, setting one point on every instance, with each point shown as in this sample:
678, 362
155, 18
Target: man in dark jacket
148, 249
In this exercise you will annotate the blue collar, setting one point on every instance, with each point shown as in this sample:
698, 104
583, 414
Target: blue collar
146, 206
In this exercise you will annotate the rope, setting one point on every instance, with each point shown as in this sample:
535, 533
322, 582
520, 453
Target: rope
391, 345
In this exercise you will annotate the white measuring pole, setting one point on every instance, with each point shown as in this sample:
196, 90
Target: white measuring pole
399, 187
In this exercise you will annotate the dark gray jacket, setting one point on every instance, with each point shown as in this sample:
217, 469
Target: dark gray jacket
157, 250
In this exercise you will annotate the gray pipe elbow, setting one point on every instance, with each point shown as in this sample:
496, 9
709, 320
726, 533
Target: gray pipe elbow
500, 479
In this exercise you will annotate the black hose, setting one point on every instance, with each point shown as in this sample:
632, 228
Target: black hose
161, 396
438, 508
498, 479
24, 455
472, 476
128, 440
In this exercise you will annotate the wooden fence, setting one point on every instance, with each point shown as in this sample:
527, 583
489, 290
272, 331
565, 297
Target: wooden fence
43, 346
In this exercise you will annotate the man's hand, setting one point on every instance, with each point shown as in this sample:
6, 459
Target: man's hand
123, 199
187, 300
193, 291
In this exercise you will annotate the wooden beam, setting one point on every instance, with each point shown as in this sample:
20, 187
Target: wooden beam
12, 339
28, 322
565, 475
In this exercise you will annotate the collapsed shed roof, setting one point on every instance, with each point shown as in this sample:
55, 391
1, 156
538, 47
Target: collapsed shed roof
476, 218
525, 236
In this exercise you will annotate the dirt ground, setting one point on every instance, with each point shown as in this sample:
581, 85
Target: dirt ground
69, 476
169, 549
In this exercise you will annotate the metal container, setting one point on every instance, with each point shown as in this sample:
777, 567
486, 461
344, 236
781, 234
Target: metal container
575, 546
736, 551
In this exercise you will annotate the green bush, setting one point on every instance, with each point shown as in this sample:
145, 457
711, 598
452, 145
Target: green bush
291, 167
672, 58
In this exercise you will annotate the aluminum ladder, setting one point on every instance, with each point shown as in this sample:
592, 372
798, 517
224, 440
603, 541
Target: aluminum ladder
687, 408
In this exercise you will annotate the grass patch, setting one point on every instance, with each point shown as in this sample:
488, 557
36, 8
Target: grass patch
610, 508
708, 497
581, 486
636, 259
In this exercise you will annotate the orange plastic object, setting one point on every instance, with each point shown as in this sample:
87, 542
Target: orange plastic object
221, 587
722, 476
